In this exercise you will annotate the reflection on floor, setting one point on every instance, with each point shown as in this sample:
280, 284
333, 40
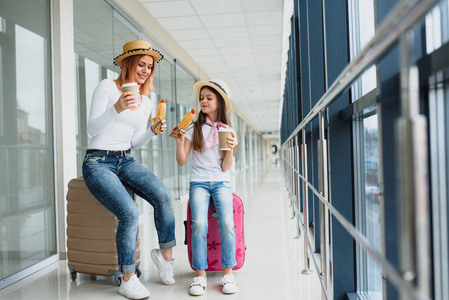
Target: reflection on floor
272, 268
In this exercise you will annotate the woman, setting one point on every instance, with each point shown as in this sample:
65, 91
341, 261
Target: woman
117, 124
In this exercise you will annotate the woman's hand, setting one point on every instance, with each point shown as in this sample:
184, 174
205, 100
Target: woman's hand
163, 127
126, 99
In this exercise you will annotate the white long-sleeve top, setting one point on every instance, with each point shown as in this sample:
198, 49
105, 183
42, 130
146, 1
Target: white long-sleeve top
111, 130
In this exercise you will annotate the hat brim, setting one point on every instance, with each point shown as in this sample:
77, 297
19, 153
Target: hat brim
200, 84
154, 53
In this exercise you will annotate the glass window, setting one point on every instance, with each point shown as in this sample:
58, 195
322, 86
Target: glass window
439, 174
367, 193
367, 206
158, 153
93, 26
186, 100
27, 196
361, 31
437, 26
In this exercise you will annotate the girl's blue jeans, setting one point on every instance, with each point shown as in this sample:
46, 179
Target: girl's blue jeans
200, 194
104, 176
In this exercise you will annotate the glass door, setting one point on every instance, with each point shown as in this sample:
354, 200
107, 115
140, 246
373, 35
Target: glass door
27, 197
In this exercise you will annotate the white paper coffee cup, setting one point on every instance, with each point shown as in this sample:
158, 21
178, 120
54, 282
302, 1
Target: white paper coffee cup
223, 134
131, 87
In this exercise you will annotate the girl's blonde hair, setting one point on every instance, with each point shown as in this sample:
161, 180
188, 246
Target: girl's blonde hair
197, 139
128, 66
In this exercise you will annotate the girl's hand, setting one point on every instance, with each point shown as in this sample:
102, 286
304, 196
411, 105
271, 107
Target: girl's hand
124, 101
180, 138
232, 141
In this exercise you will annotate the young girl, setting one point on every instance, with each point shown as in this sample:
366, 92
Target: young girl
210, 176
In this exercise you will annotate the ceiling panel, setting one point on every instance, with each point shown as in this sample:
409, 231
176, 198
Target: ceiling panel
262, 5
236, 50
206, 7
203, 52
264, 18
266, 40
189, 34
223, 20
232, 42
169, 8
209, 59
197, 44
228, 32
178, 23
238, 41
264, 30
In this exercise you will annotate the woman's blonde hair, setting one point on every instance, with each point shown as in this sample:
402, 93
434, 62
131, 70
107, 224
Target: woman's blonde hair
128, 66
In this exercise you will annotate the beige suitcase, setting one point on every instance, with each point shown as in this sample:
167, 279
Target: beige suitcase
91, 230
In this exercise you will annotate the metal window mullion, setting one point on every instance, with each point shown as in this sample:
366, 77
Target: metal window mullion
292, 184
436, 188
358, 205
305, 204
324, 211
412, 161
298, 189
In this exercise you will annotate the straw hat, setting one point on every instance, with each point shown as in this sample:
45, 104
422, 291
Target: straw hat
137, 47
217, 85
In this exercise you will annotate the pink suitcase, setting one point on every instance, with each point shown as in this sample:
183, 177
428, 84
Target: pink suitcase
213, 236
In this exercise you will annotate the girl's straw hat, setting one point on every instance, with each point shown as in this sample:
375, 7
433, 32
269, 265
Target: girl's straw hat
217, 85
137, 47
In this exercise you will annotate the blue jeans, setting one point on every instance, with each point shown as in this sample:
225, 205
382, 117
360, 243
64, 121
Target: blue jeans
104, 176
200, 193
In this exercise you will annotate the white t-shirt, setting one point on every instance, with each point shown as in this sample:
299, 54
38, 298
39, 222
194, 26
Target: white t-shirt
206, 166
111, 130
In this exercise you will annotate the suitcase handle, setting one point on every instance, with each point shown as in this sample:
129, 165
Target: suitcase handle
185, 232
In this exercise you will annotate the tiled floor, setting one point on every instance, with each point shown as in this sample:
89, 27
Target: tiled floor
272, 268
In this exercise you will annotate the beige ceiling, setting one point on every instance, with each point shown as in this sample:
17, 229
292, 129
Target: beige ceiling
238, 41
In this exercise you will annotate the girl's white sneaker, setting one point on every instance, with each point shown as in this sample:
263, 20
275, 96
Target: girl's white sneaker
198, 286
228, 284
133, 289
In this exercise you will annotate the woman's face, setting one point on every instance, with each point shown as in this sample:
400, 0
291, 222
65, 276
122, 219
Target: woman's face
208, 101
143, 69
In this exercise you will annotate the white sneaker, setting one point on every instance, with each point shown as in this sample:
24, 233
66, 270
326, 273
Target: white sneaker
198, 286
165, 268
133, 289
228, 284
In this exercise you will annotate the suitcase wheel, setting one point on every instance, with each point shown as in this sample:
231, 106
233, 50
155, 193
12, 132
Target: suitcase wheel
138, 272
117, 279
72, 273
73, 276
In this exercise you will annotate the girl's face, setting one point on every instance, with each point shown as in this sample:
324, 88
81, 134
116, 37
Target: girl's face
143, 69
208, 101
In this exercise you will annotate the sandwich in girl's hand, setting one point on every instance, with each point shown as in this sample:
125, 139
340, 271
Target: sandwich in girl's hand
181, 127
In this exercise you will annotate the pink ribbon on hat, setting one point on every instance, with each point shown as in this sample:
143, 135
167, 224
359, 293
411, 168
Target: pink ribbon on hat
212, 139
